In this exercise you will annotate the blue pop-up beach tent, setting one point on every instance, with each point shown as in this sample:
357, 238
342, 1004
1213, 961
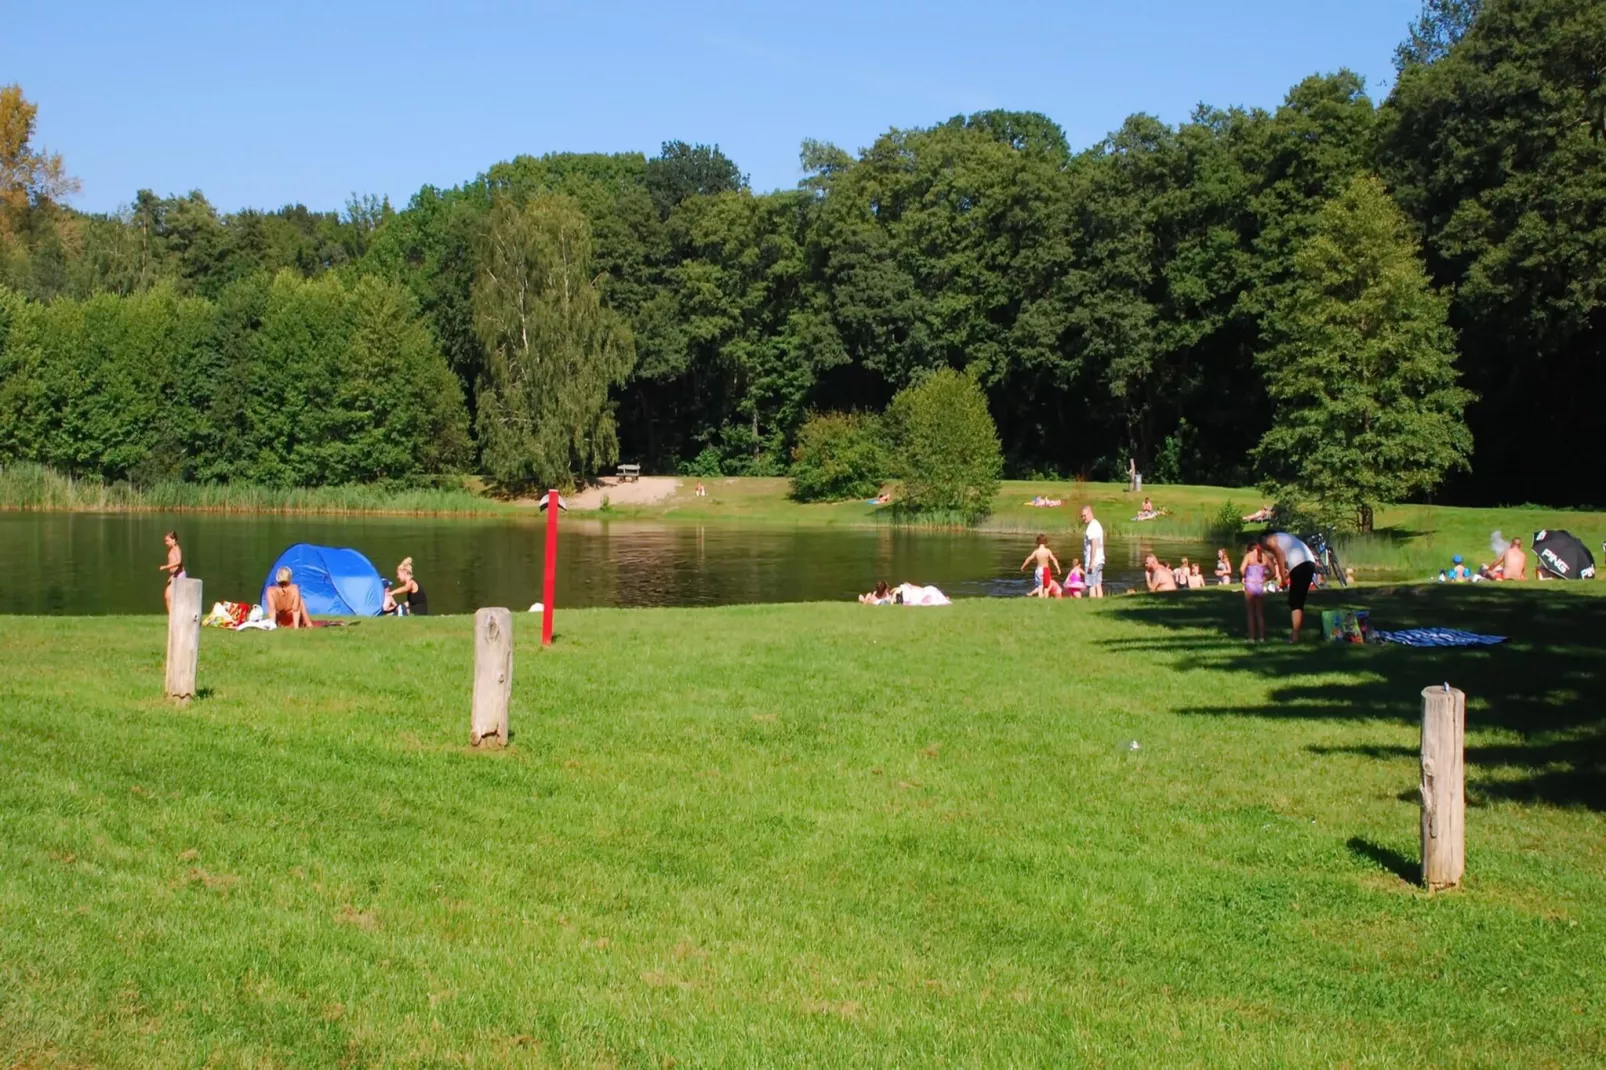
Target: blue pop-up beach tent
334, 582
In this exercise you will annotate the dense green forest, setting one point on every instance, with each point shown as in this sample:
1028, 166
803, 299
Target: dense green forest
1162, 296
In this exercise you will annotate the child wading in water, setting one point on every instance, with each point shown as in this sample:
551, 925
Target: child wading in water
1076, 579
1043, 564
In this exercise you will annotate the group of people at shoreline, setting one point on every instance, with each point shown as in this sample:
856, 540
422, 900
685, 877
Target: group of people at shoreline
1276, 561
285, 606
1079, 580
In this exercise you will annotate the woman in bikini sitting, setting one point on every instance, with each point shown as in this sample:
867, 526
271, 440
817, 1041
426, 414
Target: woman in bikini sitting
285, 606
174, 566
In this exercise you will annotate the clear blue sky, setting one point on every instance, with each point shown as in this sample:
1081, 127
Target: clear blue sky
260, 105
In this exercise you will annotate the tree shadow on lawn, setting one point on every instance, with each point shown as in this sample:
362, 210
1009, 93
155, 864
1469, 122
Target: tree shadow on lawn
1408, 870
1545, 684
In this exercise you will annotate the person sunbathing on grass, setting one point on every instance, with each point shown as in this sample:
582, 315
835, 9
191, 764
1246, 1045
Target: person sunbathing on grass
285, 606
1514, 563
1261, 515
1148, 512
881, 596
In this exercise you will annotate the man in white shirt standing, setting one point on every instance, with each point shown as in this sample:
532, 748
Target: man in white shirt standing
1295, 567
1093, 552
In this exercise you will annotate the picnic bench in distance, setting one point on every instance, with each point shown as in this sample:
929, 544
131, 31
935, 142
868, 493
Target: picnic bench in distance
629, 473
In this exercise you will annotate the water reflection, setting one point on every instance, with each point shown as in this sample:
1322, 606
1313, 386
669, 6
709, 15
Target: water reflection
65, 563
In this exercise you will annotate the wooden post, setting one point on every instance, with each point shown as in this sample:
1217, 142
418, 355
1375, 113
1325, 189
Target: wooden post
183, 638
1444, 800
550, 578
493, 676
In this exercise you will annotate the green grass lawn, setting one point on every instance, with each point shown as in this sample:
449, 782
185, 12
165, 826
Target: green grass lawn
814, 835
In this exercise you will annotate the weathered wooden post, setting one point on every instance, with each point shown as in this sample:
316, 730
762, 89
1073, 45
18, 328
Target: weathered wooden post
1444, 799
183, 638
493, 676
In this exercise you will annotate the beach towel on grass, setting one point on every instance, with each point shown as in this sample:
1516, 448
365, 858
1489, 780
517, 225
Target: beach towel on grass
1439, 637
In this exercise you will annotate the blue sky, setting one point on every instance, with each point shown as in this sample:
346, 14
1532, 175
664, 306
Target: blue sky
261, 105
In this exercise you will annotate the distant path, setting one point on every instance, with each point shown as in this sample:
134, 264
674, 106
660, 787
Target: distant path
648, 490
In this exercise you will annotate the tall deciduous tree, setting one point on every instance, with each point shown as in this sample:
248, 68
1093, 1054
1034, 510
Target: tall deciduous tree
29, 177
944, 446
1498, 150
681, 171
1367, 404
1440, 25
553, 350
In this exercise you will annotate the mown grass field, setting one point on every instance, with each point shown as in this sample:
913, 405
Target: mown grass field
815, 835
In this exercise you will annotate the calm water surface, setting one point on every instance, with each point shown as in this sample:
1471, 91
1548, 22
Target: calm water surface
77, 563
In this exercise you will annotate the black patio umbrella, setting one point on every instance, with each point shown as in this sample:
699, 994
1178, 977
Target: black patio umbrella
1564, 555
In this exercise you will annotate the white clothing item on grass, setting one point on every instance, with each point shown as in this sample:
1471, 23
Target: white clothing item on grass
921, 596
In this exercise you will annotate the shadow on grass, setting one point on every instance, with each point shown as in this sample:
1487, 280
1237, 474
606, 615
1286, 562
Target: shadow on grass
1408, 870
1394, 536
1545, 685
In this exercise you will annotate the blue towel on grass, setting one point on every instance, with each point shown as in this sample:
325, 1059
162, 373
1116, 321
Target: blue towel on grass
1439, 637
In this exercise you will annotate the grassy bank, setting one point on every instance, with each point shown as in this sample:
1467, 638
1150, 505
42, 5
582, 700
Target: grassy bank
27, 486
803, 835
1414, 540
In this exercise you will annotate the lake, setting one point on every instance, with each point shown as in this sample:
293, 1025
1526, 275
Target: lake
81, 563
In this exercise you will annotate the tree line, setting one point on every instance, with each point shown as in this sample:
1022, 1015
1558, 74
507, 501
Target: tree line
1347, 298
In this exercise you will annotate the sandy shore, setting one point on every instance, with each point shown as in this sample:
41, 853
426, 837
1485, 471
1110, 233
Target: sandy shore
648, 490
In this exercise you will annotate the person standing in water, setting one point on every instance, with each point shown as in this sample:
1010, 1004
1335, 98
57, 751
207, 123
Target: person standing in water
1295, 566
1046, 565
174, 566
1093, 552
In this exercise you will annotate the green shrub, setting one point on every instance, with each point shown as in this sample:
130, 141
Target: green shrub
944, 447
838, 457
1227, 521
706, 465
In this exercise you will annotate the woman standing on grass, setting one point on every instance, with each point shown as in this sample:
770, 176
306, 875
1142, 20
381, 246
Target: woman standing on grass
174, 567
1254, 569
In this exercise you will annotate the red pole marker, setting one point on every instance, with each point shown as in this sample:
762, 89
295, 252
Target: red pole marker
551, 579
